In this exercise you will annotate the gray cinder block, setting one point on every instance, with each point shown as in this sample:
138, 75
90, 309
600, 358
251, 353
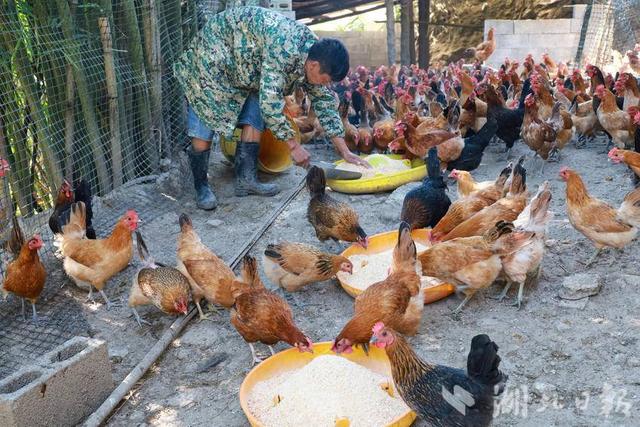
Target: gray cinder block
66, 385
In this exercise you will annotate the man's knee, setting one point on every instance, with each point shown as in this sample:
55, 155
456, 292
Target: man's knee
250, 134
199, 144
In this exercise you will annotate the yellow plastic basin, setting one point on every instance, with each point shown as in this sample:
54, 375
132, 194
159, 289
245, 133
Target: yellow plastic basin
274, 156
291, 359
385, 241
380, 183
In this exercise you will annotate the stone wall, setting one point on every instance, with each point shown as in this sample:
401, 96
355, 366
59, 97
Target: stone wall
557, 37
368, 48
514, 39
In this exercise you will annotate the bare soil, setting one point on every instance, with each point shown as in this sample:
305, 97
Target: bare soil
570, 363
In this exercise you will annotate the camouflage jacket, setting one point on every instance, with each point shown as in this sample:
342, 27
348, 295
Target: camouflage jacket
245, 49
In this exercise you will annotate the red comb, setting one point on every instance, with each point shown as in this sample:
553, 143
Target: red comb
378, 327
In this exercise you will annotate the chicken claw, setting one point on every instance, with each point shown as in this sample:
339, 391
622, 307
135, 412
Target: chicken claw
462, 304
502, 294
201, 313
254, 356
518, 301
593, 257
138, 318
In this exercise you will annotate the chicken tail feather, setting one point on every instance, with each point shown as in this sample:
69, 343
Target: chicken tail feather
143, 251
17, 236
629, 211
518, 178
76, 227
185, 222
272, 251
250, 272
483, 363
82, 193
316, 181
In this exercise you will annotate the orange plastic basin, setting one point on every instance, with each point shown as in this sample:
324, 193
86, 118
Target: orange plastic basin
385, 241
291, 360
274, 156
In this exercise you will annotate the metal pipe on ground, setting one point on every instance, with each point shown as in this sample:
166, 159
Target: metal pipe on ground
101, 414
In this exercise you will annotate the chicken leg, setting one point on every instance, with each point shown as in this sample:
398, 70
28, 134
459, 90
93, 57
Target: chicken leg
34, 315
593, 257
518, 300
138, 318
200, 312
504, 292
462, 304
254, 355
106, 300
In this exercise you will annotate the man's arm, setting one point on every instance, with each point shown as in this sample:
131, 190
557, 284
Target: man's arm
324, 105
272, 101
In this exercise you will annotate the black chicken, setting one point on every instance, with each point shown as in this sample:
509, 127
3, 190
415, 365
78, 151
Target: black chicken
425, 205
474, 146
509, 121
445, 396
62, 207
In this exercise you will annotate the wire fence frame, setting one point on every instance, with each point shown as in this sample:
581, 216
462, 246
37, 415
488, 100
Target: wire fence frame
610, 28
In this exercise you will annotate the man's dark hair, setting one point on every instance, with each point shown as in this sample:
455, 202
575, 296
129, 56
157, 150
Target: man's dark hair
332, 56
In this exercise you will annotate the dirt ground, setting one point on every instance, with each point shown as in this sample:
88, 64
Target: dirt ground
570, 363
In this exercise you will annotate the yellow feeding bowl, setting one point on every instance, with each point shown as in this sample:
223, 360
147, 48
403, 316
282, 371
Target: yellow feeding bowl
387, 241
380, 183
292, 360
274, 156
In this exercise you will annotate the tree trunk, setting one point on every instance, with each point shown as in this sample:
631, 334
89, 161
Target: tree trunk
405, 36
391, 33
86, 101
412, 34
423, 33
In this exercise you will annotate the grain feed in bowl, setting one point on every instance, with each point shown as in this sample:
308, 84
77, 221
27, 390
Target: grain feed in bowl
372, 268
380, 165
327, 389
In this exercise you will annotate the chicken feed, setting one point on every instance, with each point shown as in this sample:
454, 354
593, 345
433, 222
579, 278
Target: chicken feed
380, 165
327, 389
372, 268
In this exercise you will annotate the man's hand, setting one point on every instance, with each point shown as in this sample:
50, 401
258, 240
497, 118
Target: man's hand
348, 156
299, 155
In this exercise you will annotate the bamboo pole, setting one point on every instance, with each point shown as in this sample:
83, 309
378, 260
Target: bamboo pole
69, 112
172, 14
15, 152
86, 100
25, 74
137, 61
153, 55
112, 92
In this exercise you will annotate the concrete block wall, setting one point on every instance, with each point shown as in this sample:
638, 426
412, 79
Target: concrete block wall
517, 38
368, 48
60, 389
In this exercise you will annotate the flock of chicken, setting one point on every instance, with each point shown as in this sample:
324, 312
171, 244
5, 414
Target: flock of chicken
445, 115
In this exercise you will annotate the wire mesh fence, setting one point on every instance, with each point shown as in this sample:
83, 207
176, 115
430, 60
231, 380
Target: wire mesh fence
611, 27
87, 92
